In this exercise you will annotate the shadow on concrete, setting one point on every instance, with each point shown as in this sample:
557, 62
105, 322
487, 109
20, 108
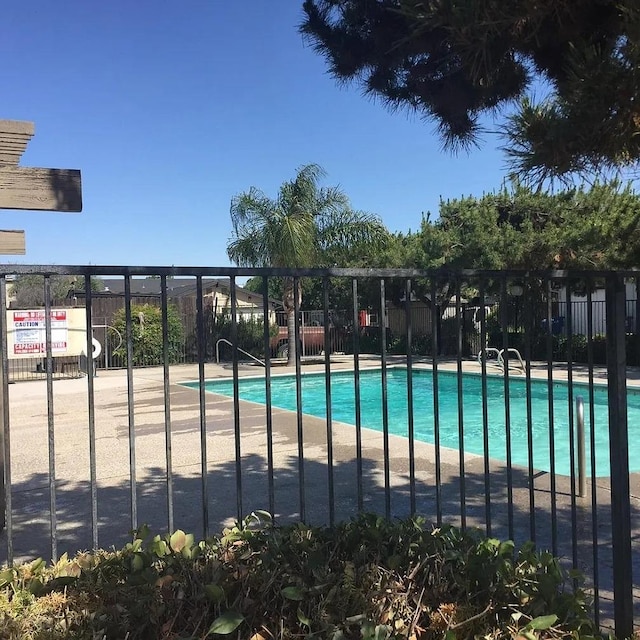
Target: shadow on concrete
571, 537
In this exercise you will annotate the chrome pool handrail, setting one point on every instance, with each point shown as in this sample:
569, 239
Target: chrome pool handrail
238, 348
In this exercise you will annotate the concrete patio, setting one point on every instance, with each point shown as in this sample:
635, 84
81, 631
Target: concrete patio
30, 495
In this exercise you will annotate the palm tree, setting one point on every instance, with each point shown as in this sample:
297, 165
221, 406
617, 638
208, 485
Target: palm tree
297, 229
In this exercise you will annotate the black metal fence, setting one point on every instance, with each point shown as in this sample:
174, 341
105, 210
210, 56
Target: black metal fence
108, 331
446, 395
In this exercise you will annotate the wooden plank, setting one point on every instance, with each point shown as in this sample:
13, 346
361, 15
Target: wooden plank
14, 137
12, 243
17, 126
40, 189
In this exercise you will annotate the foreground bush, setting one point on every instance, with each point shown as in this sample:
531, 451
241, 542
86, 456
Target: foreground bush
368, 579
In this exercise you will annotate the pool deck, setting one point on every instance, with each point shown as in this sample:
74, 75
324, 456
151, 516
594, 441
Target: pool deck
30, 463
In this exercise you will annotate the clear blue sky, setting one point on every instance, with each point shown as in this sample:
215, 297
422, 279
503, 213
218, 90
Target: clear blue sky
170, 108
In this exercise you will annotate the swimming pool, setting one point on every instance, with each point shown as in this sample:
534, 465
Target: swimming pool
283, 396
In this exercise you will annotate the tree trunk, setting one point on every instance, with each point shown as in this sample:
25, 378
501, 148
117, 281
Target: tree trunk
291, 336
288, 301
438, 307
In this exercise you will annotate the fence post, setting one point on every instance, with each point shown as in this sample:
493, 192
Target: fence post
619, 456
4, 409
637, 325
3, 500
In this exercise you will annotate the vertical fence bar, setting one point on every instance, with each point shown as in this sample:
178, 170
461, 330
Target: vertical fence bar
327, 382
571, 432
356, 391
592, 443
267, 392
299, 420
637, 312
528, 327
435, 344
130, 405
552, 448
3, 375
582, 472
108, 349
619, 452
485, 408
236, 396
91, 409
6, 513
637, 324
204, 465
410, 422
50, 420
385, 399
463, 497
504, 319
167, 400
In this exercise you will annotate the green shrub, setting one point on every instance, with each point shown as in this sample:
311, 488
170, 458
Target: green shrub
421, 345
449, 338
539, 350
250, 333
366, 579
369, 340
146, 329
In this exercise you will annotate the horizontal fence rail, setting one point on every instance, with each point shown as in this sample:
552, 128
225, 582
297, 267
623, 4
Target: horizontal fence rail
505, 401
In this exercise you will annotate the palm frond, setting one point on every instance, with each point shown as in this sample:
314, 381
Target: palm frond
301, 226
342, 231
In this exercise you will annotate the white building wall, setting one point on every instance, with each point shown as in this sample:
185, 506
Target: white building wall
579, 311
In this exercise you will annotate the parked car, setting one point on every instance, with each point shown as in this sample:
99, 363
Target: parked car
311, 336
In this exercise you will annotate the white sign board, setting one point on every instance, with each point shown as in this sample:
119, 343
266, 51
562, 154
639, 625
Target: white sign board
30, 332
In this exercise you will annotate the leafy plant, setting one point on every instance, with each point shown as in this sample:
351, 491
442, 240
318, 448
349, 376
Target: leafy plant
146, 334
304, 226
28, 288
420, 345
369, 340
368, 578
249, 332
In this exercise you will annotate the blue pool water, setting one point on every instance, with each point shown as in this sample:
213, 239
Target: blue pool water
283, 395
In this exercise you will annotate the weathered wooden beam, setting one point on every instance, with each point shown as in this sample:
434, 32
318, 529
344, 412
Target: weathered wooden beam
12, 243
40, 189
14, 137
